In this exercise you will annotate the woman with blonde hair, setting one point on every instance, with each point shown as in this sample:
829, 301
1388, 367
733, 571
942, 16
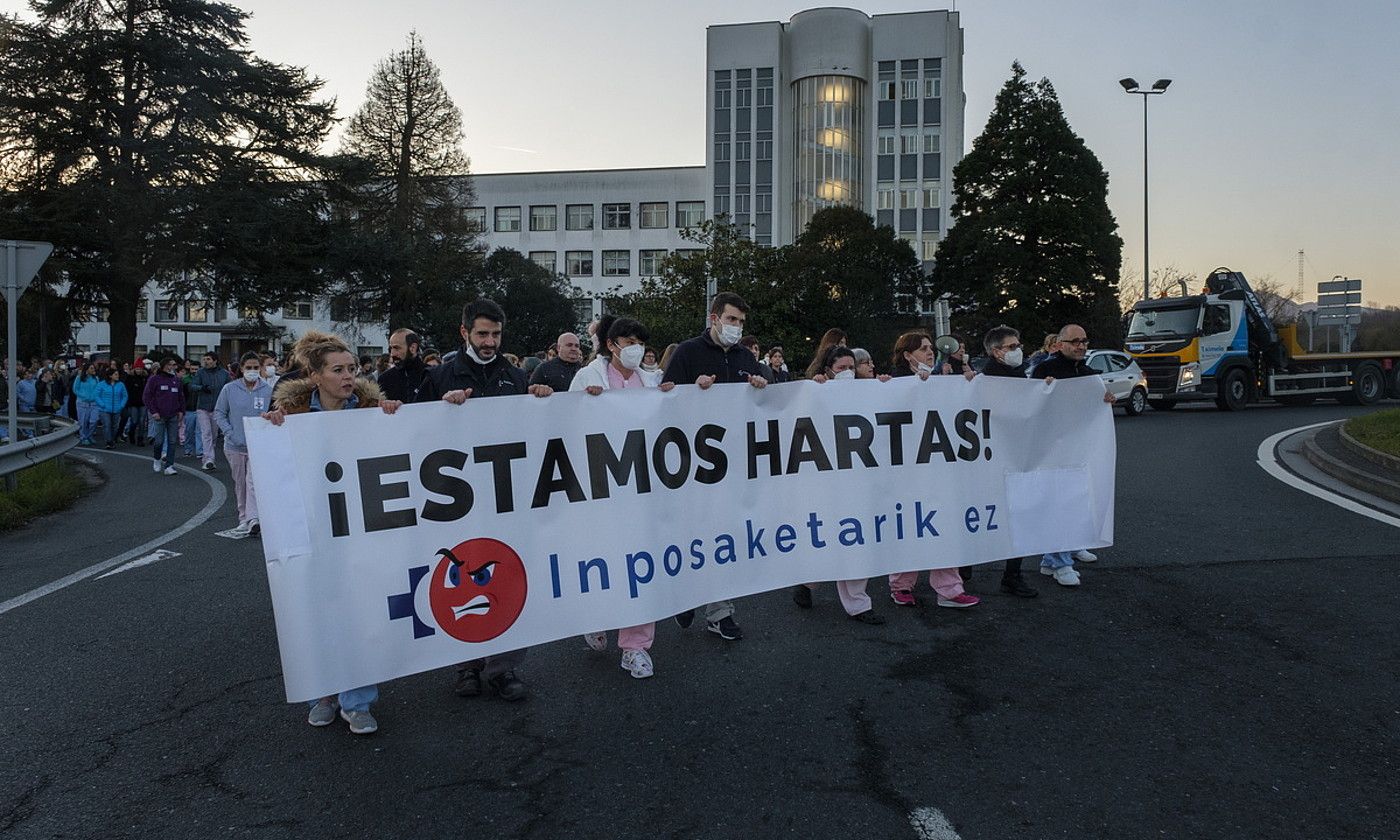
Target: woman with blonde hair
330, 383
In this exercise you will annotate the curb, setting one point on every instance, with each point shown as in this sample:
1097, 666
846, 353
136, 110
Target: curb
1349, 475
1361, 450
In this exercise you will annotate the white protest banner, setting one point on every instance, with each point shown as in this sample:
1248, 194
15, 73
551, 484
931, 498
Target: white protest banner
397, 544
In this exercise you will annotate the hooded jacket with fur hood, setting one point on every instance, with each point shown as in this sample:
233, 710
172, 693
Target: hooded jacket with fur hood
293, 396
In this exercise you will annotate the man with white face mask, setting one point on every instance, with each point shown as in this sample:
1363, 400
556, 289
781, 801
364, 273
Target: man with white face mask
1005, 357
716, 356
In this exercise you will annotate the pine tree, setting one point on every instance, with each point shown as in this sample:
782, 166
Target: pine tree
148, 143
415, 248
1033, 243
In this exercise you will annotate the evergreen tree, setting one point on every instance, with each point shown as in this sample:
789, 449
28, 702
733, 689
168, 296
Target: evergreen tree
148, 143
1033, 243
412, 249
537, 302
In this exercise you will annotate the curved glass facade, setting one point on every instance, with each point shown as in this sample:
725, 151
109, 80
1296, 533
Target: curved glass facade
829, 132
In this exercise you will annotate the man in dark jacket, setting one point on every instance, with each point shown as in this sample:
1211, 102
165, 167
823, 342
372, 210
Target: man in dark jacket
401, 381
558, 372
716, 356
1067, 363
479, 370
1005, 357
209, 380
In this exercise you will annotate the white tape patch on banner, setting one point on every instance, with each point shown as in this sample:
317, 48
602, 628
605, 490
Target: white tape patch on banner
397, 544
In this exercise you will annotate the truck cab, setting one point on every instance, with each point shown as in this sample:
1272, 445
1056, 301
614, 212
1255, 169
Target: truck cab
1187, 345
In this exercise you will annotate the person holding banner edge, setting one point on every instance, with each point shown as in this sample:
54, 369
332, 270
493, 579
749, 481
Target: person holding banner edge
617, 367
330, 385
715, 356
478, 370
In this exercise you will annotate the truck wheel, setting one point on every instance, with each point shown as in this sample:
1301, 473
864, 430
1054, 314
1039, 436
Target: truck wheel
1137, 402
1234, 391
1161, 405
1367, 385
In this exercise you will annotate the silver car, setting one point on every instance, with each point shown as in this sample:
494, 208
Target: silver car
1125, 380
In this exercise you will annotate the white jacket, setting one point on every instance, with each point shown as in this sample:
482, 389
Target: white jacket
596, 373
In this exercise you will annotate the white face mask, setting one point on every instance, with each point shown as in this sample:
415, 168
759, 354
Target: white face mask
729, 334
251, 376
631, 356
848, 373
1013, 357
471, 354
923, 368
272, 370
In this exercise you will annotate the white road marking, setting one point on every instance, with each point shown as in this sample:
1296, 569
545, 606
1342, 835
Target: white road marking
216, 501
153, 557
930, 824
1269, 463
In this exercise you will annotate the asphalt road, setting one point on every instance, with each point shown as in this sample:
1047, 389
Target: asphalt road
1228, 669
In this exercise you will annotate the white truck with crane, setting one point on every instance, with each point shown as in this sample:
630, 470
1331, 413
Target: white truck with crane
1222, 345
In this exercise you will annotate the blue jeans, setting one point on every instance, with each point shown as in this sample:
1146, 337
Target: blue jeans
356, 699
112, 424
192, 442
87, 419
137, 425
1057, 560
164, 430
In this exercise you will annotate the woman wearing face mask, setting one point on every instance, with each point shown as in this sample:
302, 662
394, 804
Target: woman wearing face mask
618, 367
831, 338
838, 364
913, 356
330, 384
248, 396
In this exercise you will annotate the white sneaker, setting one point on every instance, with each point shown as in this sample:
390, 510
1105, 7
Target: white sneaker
637, 663
596, 641
1085, 556
1047, 571
170, 470
242, 528
1066, 576
155, 465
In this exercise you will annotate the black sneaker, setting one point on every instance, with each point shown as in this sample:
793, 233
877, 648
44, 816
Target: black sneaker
468, 682
726, 629
869, 617
686, 619
508, 686
1017, 586
802, 596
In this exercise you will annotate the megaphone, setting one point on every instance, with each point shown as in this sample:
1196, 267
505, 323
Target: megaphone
946, 345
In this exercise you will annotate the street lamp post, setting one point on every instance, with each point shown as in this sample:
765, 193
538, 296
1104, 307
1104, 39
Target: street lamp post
1130, 85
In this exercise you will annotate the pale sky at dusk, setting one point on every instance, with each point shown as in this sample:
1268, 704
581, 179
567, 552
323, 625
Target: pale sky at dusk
1279, 132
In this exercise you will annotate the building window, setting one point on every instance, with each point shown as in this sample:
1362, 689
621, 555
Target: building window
884, 197
909, 89
932, 191
476, 217
721, 205
544, 259
342, 309
829, 161
743, 97
722, 98
741, 150
617, 263
578, 263
765, 96
886, 142
617, 217
507, 219
763, 203
930, 248
141, 316
741, 203
933, 85
886, 90
721, 151
649, 262
578, 217
197, 311
167, 311
545, 217
300, 310
249, 313
909, 142
765, 149
933, 140
655, 214
908, 197
689, 213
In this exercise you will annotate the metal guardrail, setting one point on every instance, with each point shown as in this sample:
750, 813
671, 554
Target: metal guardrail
53, 436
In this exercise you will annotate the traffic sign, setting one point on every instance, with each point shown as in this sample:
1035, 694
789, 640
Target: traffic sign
21, 262
1338, 317
1339, 299
1339, 285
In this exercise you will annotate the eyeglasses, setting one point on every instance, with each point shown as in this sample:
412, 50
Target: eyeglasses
1077, 342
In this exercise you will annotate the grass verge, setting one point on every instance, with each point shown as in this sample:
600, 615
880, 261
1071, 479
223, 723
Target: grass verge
44, 488
1379, 431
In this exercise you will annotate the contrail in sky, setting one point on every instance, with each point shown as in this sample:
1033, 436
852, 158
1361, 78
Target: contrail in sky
516, 149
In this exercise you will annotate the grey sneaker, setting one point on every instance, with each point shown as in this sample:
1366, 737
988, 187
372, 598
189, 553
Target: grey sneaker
361, 722
170, 471
323, 713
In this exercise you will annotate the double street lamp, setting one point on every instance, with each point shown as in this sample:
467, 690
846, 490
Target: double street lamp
1131, 86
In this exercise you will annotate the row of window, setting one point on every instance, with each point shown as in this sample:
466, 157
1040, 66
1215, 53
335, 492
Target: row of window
169, 310
545, 217
927, 195
912, 141
932, 88
614, 263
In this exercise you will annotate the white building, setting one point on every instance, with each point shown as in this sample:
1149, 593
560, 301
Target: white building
834, 107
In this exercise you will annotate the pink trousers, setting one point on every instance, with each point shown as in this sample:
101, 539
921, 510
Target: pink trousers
636, 638
242, 485
946, 582
852, 595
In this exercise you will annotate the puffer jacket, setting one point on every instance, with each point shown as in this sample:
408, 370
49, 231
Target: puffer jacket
293, 396
110, 397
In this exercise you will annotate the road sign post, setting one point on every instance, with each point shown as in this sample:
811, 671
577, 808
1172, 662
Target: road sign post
1339, 305
21, 262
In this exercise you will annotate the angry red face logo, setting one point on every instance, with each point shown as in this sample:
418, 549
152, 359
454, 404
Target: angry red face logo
477, 590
